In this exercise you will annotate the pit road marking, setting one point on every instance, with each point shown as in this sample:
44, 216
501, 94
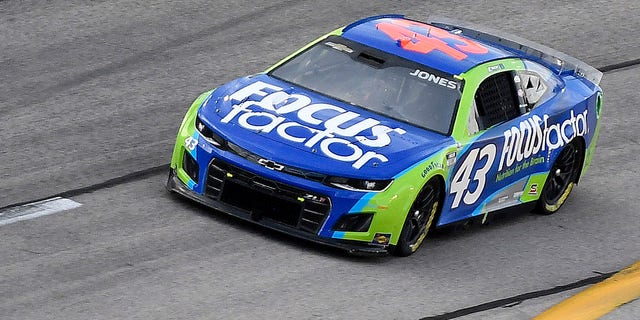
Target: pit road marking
36, 209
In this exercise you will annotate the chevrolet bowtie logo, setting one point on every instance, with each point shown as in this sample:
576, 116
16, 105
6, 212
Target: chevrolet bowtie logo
271, 165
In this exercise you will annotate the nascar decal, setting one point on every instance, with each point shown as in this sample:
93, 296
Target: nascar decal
521, 144
274, 102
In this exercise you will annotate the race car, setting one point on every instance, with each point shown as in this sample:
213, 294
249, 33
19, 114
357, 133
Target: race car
374, 134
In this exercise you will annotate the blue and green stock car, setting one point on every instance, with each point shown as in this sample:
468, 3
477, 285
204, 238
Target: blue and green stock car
378, 132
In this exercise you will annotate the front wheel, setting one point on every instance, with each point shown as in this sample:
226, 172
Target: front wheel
561, 179
420, 219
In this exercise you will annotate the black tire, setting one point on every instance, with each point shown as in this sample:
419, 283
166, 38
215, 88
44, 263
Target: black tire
561, 180
420, 219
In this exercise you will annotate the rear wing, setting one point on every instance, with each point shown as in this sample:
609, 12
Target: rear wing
561, 62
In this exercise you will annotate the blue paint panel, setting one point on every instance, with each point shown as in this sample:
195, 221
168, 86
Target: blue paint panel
359, 206
338, 235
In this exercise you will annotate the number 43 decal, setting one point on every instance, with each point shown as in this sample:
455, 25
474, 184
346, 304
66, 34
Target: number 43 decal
190, 143
462, 178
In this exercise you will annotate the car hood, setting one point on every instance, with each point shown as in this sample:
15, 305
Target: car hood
297, 127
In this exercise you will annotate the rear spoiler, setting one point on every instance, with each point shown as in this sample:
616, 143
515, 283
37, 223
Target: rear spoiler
559, 61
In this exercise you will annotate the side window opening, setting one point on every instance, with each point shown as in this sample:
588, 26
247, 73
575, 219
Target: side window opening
538, 83
473, 126
534, 88
497, 100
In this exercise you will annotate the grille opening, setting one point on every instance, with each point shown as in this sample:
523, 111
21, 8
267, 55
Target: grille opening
190, 166
354, 222
260, 204
266, 198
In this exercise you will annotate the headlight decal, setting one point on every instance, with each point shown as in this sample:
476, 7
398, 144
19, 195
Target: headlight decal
209, 135
363, 185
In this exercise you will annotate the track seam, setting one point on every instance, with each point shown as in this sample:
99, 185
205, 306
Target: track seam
515, 300
620, 65
130, 177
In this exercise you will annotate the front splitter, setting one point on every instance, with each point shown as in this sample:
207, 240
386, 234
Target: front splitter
354, 247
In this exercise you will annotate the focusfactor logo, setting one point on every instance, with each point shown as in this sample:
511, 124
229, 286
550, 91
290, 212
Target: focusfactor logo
536, 134
260, 107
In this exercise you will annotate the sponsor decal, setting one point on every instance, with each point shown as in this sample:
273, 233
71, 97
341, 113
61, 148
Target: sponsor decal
520, 166
533, 190
535, 134
382, 238
337, 123
432, 165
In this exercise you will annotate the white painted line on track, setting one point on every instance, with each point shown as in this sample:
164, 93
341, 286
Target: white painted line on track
36, 209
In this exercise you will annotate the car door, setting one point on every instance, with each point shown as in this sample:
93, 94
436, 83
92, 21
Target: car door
480, 181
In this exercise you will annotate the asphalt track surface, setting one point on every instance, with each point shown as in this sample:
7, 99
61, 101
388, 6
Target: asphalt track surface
91, 96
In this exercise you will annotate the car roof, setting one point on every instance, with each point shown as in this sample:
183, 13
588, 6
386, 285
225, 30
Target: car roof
447, 51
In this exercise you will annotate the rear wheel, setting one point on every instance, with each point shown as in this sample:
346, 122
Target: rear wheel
420, 219
561, 179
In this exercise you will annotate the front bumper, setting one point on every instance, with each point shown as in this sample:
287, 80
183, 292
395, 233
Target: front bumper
355, 247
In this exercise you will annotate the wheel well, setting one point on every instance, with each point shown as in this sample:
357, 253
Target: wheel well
441, 182
581, 145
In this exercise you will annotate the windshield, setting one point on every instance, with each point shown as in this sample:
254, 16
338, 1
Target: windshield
377, 81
